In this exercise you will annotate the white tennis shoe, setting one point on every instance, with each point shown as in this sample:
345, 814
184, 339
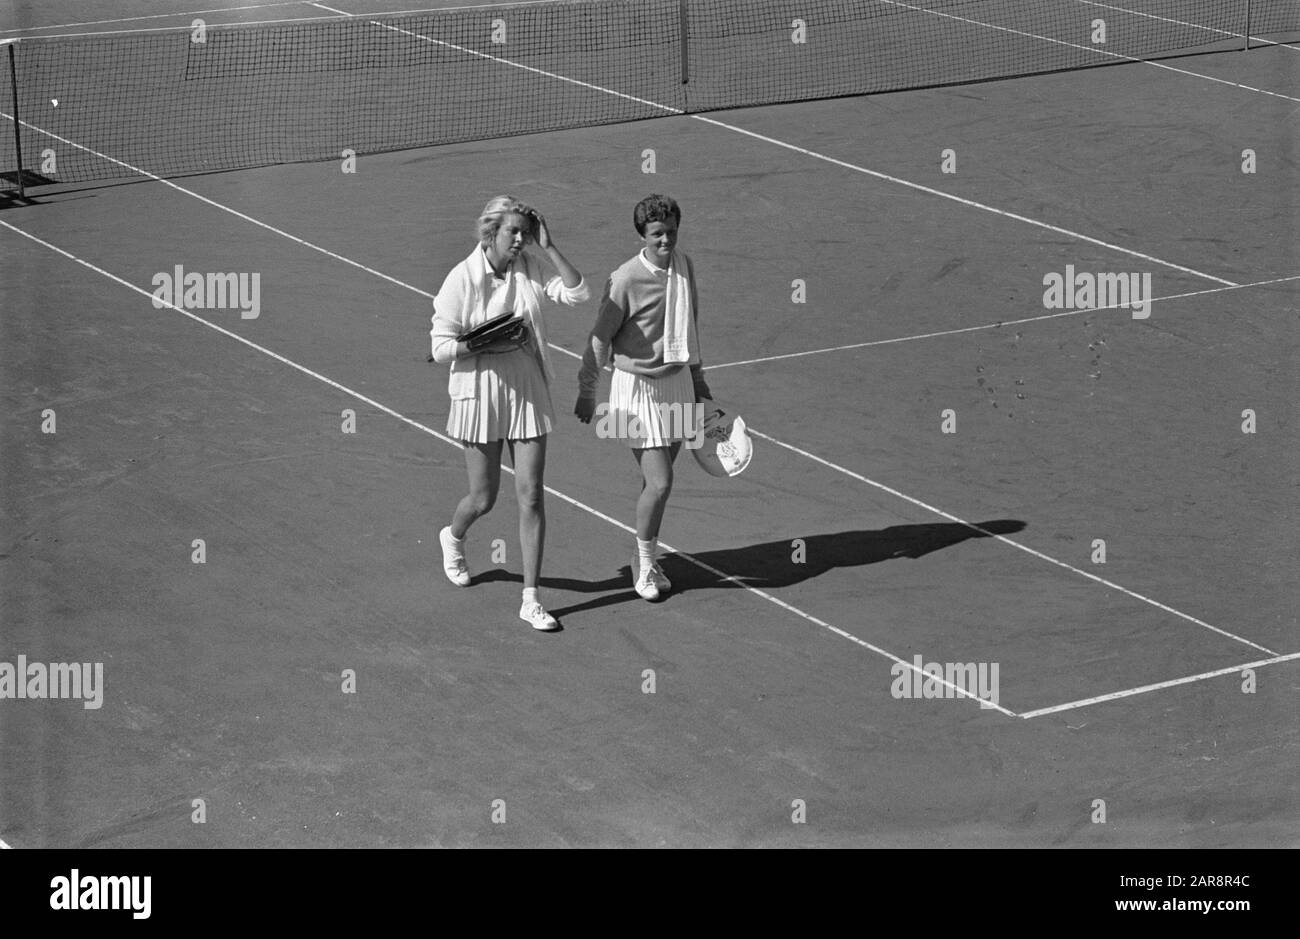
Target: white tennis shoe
536, 616
660, 578
643, 581
453, 559
657, 575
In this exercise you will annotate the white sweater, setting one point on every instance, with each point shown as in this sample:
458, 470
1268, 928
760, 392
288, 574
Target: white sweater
462, 301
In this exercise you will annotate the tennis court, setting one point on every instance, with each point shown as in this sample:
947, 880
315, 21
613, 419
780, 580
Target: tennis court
863, 535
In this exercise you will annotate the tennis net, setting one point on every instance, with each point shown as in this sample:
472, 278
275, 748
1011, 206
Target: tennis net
198, 100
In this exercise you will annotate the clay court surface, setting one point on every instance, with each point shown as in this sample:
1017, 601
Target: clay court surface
223, 680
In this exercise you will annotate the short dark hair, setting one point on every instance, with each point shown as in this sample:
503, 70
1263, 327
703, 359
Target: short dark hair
655, 208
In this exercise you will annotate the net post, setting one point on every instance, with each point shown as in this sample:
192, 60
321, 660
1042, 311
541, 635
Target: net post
1246, 46
18, 137
682, 22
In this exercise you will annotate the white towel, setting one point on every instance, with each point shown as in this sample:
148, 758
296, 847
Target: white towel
520, 297
505, 298
677, 315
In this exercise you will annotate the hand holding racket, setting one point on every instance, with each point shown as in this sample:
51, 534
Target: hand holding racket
506, 343
503, 333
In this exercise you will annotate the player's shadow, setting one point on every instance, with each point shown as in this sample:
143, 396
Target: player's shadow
774, 564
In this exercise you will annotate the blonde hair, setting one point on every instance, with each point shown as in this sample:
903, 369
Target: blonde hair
498, 208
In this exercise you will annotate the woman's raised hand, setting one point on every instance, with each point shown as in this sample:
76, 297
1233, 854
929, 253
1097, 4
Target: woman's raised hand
542, 233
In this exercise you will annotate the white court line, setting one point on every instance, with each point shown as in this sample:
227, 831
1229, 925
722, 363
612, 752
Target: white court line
3, 846
802, 150
1015, 544
738, 581
1129, 692
998, 324
1208, 29
1094, 49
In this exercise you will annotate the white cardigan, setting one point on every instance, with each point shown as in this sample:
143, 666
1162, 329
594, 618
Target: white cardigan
461, 304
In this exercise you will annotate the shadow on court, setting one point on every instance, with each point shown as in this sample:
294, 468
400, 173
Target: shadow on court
774, 564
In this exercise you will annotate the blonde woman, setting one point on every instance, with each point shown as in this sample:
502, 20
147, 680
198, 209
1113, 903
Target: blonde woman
500, 395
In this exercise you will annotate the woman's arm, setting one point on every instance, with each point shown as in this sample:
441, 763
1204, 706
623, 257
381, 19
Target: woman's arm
570, 276
599, 348
445, 347
448, 315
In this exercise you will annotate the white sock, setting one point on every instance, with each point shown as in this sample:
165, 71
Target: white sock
457, 542
645, 550
530, 595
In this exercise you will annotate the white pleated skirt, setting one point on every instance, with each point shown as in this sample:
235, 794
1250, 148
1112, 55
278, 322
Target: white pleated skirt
652, 412
512, 401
